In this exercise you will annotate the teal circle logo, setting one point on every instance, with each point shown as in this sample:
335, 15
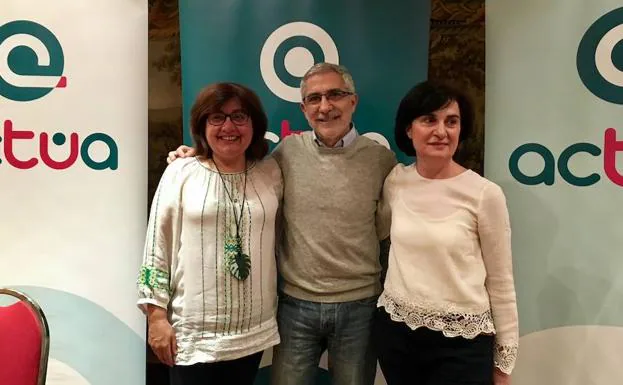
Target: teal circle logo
600, 57
31, 61
289, 51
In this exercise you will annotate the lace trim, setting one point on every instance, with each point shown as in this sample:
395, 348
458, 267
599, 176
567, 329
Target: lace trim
505, 356
447, 320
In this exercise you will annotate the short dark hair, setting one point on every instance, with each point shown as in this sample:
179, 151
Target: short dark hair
426, 98
211, 99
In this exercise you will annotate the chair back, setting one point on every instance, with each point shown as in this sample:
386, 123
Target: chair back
24, 341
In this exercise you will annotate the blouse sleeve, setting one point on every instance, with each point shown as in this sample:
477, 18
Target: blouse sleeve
495, 240
276, 179
162, 239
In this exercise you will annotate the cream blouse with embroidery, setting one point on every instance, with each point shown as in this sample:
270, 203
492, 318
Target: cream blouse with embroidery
215, 316
450, 266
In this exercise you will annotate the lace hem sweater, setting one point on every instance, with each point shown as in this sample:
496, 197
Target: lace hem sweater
450, 266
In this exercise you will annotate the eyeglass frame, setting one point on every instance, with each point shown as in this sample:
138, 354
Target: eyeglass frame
342, 93
228, 116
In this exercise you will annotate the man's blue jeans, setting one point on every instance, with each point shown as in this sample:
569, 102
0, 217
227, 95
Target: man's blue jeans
308, 328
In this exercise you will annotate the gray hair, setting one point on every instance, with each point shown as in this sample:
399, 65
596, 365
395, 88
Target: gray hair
321, 68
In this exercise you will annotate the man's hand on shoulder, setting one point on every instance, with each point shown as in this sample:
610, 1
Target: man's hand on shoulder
182, 151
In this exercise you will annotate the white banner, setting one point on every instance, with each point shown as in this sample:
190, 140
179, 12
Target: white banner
553, 129
73, 177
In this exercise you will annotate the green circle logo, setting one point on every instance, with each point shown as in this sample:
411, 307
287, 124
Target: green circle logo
600, 57
31, 61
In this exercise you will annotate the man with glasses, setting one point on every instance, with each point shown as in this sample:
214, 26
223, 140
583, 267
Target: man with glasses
328, 255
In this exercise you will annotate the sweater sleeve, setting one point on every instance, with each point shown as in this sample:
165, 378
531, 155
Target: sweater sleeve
495, 239
162, 239
383, 209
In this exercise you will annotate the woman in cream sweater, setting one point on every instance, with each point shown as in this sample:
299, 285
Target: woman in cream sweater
448, 312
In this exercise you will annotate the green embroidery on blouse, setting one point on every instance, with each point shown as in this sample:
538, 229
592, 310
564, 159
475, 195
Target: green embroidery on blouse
153, 279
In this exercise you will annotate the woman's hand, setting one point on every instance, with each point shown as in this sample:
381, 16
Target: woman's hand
500, 378
161, 336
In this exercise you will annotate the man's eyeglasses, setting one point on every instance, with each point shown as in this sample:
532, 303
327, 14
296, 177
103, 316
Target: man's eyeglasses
237, 117
334, 95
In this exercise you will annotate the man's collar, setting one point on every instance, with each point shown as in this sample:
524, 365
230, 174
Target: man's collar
348, 139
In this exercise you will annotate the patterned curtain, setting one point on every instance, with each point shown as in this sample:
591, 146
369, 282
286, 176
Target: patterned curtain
457, 55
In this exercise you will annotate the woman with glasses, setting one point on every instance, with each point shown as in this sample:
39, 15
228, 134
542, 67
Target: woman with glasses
448, 313
208, 279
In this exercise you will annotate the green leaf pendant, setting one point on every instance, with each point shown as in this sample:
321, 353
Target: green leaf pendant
238, 264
